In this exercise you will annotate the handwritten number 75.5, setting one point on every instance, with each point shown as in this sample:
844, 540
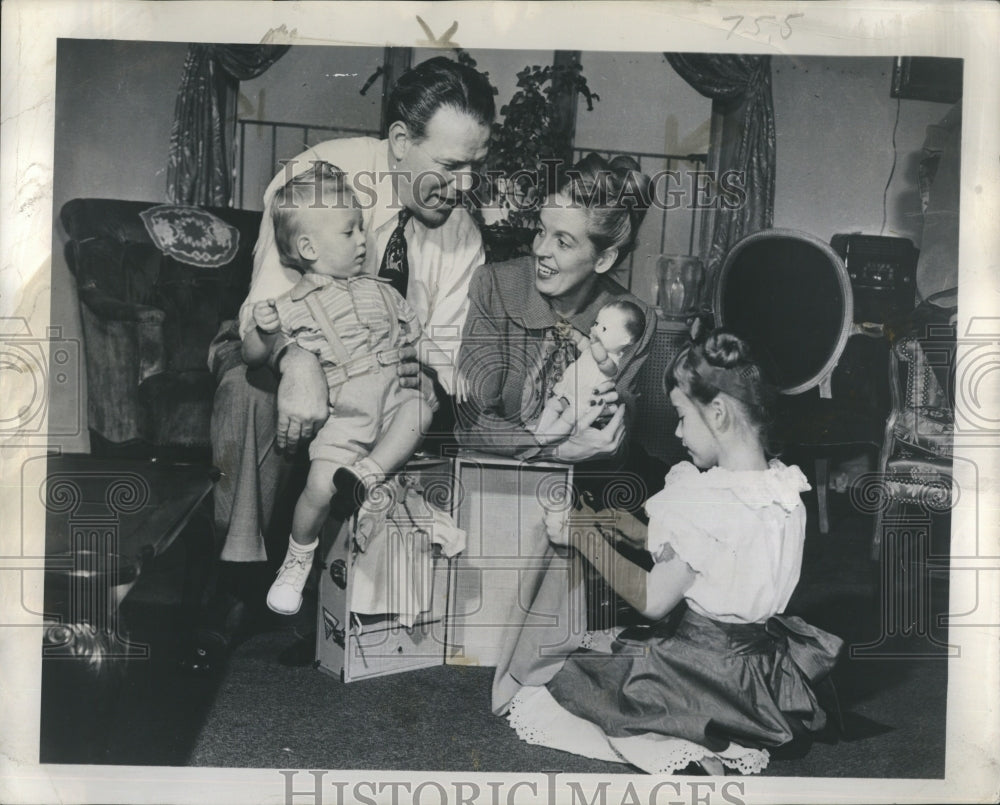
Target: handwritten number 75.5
770, 22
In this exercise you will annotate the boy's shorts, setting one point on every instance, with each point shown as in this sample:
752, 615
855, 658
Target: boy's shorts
361, 411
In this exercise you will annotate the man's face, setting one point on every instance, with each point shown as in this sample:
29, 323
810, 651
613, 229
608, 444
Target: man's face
437, 168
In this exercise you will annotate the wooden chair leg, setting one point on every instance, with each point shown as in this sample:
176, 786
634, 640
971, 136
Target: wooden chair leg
877, 535
822, 483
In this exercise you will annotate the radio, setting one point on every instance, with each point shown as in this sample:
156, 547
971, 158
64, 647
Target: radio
883, 274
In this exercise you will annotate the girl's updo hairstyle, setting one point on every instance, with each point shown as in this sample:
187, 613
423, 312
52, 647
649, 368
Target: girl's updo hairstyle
615, 195
725, 363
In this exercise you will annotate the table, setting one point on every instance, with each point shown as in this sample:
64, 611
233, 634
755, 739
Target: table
105, 519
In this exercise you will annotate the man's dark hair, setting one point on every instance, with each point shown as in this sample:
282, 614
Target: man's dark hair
437, 83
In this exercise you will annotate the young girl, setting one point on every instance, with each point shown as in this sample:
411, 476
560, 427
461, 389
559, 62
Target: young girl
733, 677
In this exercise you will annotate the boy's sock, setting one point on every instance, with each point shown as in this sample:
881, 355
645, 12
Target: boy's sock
355, 483
285, 595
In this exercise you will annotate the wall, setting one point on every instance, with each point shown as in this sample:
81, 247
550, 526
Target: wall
835, 122
646, 107
319, 86
114, 110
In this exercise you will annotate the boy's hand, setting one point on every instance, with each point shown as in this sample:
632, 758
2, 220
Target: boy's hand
265, 314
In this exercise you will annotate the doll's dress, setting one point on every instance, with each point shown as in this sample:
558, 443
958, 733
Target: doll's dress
731, 677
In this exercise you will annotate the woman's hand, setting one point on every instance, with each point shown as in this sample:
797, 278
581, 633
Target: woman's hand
605, 397
303, 404
408, 367
588, 442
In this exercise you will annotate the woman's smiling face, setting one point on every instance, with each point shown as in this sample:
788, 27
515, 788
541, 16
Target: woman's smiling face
565, 257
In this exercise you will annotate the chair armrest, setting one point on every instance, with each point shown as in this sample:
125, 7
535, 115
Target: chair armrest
148, 323
105, 306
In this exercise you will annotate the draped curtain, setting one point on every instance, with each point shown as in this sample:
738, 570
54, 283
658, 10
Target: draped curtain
740, 87
201, 160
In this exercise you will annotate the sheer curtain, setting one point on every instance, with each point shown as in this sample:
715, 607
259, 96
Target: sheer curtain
740, 88
201, 159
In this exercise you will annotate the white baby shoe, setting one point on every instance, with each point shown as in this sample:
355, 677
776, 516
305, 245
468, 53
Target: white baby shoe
285, 595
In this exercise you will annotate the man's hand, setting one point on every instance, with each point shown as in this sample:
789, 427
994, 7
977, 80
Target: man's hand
408, 367
303, 404
265, 315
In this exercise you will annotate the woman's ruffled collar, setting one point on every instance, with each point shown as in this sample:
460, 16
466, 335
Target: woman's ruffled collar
758, 489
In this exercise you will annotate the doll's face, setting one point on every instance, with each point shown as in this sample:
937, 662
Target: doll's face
610, 329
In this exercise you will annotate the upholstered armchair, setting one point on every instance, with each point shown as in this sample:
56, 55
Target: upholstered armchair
155, 282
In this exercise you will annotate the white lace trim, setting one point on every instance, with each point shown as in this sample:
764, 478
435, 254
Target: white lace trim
758, 489
538, 719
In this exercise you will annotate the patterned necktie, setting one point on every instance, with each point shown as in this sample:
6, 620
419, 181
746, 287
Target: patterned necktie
395, 267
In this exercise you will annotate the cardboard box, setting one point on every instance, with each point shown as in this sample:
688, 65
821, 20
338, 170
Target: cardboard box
354, 646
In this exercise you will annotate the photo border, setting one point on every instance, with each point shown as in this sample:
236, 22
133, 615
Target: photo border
969, 30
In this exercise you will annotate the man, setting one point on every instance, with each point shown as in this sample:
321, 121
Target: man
409, 185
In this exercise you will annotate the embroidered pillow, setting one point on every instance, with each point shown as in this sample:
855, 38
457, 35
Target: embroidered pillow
191, 235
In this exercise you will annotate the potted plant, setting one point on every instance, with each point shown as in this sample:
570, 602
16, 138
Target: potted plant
525, 148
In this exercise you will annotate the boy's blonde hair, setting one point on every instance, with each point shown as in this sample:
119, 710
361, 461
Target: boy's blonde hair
321, 186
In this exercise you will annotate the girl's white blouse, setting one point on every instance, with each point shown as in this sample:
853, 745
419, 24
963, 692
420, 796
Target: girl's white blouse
742, 532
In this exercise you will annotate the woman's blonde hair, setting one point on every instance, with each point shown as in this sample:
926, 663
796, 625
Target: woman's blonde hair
615, 196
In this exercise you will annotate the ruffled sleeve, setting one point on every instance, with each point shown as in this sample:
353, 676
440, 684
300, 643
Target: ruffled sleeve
681, 521
741, 532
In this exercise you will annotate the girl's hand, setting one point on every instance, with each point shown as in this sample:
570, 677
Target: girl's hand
461, 387
265, 315
557, 526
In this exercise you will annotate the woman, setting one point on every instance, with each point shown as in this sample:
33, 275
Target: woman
526, 321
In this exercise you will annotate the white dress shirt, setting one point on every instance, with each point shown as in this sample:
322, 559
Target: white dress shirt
441, 260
